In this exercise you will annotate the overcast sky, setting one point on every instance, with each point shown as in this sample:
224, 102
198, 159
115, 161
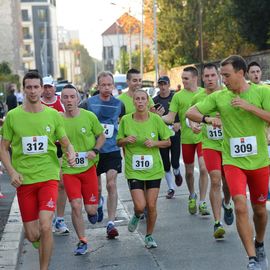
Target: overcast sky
92, 18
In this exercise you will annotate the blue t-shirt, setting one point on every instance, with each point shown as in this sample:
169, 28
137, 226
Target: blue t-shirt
108, 113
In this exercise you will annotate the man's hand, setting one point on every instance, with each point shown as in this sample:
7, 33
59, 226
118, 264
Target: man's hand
176, 127
214, 121
16, 179
91, 155
130, 139
240, 103
71, 158
160, 110
196, 127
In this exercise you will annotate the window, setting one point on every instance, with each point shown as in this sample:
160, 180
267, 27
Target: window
42, 14
108, 52
26, 33
25, 16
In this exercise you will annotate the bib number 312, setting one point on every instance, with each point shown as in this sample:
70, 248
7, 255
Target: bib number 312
35, 145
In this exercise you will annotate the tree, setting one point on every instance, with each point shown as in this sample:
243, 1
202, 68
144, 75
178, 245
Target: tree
253, 21
5, 68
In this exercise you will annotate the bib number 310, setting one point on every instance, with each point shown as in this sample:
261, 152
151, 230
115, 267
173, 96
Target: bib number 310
142, 162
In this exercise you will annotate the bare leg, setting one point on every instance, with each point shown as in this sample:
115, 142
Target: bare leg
112, 200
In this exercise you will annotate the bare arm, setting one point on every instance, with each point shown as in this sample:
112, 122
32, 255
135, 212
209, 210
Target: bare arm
160, 144
15, 177
243, 104
69, 150
124, 141
99, 142
169, 118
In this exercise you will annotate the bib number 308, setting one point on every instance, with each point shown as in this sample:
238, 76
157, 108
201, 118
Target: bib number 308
142, 162
242, 147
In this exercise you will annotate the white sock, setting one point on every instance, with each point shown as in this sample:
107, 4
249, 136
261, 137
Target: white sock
176, 171
110, 222
169, 179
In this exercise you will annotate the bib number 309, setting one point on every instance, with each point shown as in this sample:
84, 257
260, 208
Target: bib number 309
242, 147
142, 162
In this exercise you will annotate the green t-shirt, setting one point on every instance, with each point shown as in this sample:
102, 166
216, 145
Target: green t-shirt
211, 138
180, 103
129, 105
244, 142
82, 131
33, 137
143, 163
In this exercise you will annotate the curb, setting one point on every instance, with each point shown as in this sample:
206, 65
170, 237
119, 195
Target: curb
12, 238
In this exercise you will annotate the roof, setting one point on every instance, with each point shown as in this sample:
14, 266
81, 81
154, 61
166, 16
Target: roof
123, 25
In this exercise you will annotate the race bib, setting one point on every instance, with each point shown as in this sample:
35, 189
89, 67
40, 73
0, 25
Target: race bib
214, 133
242, 147
108, 130
35, 145
81, 159
142, 162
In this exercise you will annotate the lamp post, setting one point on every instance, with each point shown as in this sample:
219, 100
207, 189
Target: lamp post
142, 39
155, 40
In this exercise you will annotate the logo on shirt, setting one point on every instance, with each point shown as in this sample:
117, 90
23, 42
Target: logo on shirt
153, 135
83, 130
262, 198
242, 140
92, 198
50, 203
48, 129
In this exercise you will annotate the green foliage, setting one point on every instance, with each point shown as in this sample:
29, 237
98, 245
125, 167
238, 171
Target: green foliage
5, 68
253, 20
179, 31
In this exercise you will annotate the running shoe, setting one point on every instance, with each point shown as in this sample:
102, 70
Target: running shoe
170, 194
268, 197
228, 213
253, 265
203, 210
178, 179
81, 249
219, 231
100, 210
150, 242
192, 206
111, 231
2, 196
61, 227
92, 218
261, 256
133, 223
36, 244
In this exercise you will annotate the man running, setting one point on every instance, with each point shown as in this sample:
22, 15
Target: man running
51, 100
86, 134
191, 142
170, 155
108, 109
31, 130
212, 139
254, 72
243, 109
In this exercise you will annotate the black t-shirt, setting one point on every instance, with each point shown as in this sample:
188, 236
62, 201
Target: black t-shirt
11, 102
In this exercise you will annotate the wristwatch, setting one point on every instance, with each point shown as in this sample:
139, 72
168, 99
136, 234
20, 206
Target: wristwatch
203, 119
96, 151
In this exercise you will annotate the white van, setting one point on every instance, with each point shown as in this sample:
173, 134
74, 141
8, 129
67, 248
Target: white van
120, 83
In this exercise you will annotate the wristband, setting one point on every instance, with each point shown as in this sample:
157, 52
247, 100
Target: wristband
95, 150
203, 119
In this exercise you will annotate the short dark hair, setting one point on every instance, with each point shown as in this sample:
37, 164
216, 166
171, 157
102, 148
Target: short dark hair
32, 75
209, 66
254, 63
69, 85
192, 70
237, 61
104, 74
132, 71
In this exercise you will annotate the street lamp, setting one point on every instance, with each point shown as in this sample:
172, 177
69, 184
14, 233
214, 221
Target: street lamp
155, 40
142, 39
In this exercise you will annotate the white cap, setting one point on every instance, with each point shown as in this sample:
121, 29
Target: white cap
48, 81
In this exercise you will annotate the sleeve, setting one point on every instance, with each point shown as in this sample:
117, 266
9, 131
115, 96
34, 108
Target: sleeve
121, 133
163, 130
60, 128
266, 98
208, 104
123, 110
97, 127
7, 130
174, 104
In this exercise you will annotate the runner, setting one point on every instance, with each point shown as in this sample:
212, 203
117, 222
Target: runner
51, 100
31, 130
191, 142
86, 134
243, 109
108, 109
171, 155
142, 134
254, 72
212, 139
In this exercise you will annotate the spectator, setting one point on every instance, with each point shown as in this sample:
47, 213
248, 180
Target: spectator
19, 96
11, 98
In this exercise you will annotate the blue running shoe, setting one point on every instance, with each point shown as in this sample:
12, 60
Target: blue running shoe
100, 210
61, 227
81, 248
228, 213
92, 218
